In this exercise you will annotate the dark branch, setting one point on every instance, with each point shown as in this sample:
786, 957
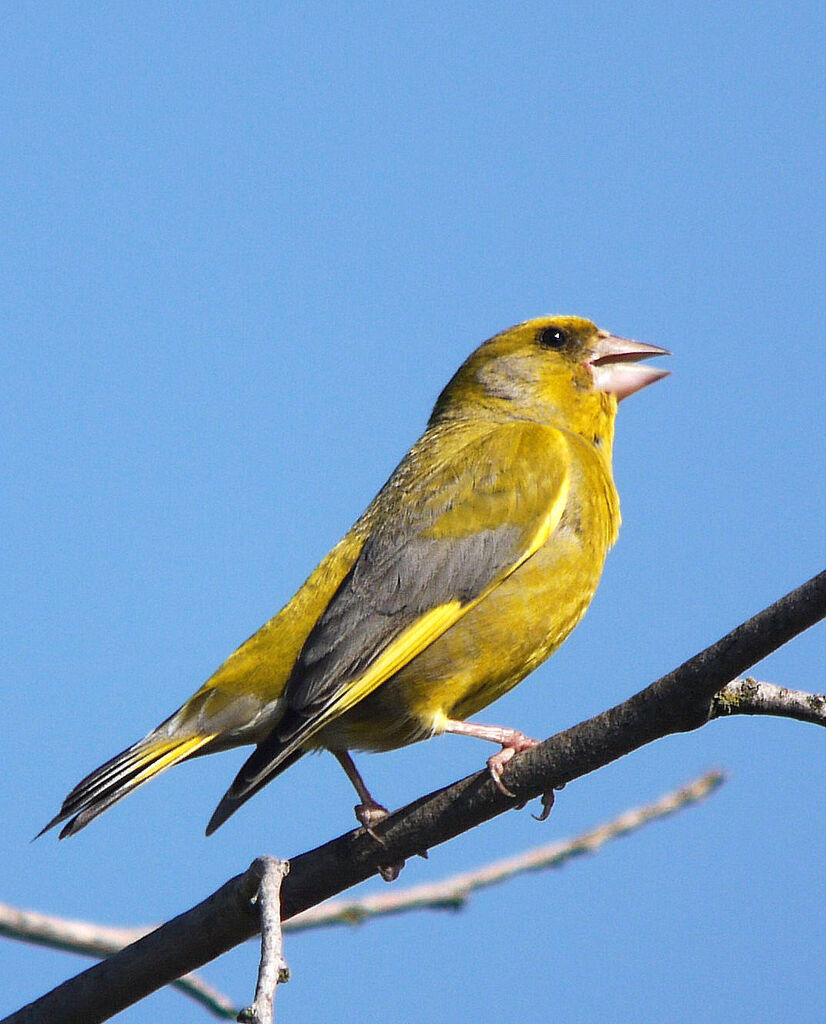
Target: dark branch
679, 702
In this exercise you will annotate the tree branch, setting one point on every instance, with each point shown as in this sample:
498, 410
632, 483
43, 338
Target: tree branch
273, 970
678, 702
750, 697
452, 893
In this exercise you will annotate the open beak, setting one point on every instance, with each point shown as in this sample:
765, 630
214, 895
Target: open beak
615, 365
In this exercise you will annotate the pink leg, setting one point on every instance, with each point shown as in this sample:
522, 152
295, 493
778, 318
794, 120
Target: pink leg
369, 812
512, 742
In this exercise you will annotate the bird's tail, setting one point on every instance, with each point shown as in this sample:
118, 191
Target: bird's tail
259, 769
125, 772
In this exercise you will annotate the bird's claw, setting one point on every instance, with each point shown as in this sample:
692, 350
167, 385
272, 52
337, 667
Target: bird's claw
496, 765
547, 805
517, 743
390, 872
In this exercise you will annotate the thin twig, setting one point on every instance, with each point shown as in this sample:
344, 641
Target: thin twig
678, 702
272, 970
452, 893
751, 697
100, 941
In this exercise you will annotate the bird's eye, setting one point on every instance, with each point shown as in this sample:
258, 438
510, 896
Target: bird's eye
553, 337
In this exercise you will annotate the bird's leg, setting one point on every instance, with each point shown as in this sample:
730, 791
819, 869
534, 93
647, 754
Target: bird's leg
512, 742
369, 812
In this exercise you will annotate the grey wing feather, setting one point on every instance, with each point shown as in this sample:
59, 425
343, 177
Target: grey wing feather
398, 576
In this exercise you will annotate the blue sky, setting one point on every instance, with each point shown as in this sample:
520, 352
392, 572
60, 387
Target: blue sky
244, 246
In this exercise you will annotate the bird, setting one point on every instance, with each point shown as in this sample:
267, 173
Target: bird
473, 563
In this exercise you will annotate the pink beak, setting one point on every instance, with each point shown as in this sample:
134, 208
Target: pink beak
615, 365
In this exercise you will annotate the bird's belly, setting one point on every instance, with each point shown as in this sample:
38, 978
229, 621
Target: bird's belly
488, 651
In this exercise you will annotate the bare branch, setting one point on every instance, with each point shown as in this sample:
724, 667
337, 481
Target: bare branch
678, 702
272, 970
750, 697
452, 893
65, 933
99, 941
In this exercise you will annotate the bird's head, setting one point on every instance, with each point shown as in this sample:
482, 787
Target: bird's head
562, 370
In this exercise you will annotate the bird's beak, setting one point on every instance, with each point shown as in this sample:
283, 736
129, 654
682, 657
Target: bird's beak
615, 365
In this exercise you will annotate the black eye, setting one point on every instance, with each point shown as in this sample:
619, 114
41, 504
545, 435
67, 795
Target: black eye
553, 337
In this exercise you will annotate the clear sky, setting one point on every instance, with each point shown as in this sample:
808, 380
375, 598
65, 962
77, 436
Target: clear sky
244, 245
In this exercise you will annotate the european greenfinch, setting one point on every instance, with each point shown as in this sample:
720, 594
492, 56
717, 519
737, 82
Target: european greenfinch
471, 565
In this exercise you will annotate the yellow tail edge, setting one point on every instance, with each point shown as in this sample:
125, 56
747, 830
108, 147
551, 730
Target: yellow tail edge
119, 776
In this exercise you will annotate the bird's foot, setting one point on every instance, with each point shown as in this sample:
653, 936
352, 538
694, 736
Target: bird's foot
513, 742
369, 813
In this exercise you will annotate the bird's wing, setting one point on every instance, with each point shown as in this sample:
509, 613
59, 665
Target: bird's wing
447, 528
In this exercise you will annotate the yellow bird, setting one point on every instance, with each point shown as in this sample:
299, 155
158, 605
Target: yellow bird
472, 564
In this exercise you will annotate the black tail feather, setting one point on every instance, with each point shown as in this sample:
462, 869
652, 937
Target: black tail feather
117, 777
254, 768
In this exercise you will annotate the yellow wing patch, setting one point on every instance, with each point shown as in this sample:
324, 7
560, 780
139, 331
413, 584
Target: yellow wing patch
410, 643
548, 525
